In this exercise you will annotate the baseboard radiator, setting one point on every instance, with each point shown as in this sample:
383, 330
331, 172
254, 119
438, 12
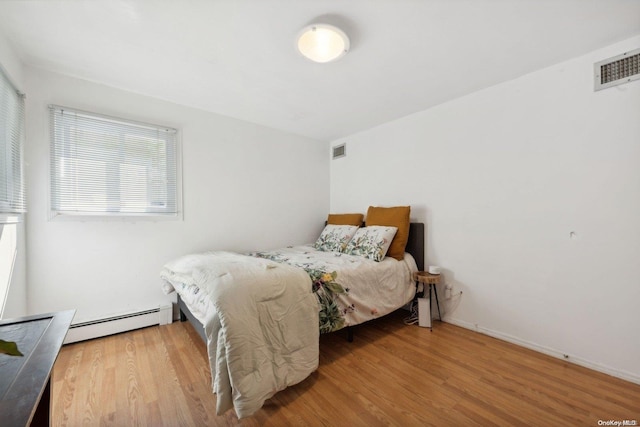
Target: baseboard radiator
114, 325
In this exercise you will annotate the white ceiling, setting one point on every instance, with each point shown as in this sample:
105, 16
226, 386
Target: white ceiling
237, 57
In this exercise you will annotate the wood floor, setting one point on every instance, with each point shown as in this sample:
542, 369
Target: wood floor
391, 374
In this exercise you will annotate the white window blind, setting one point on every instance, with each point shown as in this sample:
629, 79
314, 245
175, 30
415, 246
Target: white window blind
107, 166
12, 200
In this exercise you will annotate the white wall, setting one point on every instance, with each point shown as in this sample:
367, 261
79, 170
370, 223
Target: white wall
501, 178
13, 281
245, 187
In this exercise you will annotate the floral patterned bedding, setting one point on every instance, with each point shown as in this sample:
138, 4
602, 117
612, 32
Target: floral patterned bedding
260, 314
351, 289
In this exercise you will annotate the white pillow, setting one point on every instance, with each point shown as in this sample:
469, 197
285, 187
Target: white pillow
334, 238
372, 242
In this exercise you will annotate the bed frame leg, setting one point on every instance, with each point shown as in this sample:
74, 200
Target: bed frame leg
349, 334
183, 317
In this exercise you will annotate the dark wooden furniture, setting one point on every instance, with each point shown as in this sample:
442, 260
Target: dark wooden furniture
415, 246
25, 381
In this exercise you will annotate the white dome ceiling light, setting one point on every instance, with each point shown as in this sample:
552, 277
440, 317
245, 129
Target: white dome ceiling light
322, 43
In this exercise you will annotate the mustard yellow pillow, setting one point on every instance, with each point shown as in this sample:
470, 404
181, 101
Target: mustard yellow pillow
397, 216
345, 219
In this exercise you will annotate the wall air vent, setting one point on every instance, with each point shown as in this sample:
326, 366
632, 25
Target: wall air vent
617, 70
339, 151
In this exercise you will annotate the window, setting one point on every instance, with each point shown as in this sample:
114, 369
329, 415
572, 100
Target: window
12, 202
106, 166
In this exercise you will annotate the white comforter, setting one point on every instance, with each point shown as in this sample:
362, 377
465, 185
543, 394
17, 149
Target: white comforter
263, 332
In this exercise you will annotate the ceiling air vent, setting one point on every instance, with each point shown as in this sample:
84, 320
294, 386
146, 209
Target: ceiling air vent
617, 70
339, 151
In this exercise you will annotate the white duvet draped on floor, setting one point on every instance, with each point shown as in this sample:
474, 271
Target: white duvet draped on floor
263, 332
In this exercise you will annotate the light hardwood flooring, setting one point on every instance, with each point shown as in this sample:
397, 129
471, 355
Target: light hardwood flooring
391, 374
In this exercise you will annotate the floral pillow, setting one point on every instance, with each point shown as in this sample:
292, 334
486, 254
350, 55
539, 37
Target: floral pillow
371, 242
334, 238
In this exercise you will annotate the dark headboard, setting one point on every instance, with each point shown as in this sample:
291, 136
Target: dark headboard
415, 244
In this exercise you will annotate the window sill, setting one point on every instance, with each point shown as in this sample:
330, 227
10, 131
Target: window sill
111, 217
11, 218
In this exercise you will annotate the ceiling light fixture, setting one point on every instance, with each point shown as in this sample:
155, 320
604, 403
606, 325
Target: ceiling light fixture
322, 42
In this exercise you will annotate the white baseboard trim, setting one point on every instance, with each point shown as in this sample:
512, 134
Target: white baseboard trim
117, 324
627, 376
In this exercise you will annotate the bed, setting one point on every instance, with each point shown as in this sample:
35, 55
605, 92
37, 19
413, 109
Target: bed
261, 313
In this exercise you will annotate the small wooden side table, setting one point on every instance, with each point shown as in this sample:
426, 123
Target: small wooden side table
431, 280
